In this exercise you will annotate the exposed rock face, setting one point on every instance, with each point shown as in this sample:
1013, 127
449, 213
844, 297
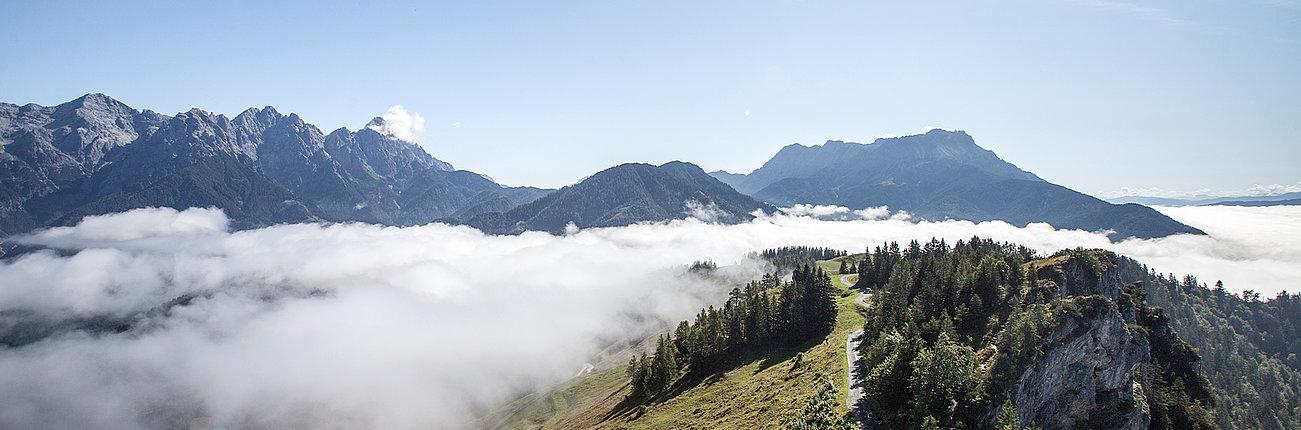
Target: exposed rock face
1087, 372
1085, 274
95, 155
1090, 370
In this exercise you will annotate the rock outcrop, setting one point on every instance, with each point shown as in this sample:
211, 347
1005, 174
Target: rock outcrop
1087, 372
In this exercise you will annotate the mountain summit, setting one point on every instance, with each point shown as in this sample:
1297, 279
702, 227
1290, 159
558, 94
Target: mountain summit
939, 175
96, 155
627, 194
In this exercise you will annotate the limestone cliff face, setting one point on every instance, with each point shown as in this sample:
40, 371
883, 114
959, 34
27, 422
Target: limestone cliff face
1086, 375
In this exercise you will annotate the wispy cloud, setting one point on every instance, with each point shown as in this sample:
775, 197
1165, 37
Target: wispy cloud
399, 123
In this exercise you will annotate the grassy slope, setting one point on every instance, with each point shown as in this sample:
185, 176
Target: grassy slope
759, 393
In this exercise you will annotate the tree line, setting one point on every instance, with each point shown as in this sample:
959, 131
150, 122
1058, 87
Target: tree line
763, 314
786, 258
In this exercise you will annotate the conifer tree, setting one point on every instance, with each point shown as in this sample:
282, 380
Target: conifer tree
1007, 419
663, 368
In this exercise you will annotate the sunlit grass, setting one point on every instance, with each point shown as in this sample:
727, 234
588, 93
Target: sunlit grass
758, 394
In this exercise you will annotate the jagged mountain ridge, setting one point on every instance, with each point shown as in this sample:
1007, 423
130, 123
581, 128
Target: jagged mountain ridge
623, 195
97, 155
939, 175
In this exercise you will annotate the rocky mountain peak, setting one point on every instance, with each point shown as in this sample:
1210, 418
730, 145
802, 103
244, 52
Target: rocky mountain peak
266, 115
88, 127
949, 134
93, 101
250, 165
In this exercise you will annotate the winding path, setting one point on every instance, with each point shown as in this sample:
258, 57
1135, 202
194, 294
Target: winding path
855, 374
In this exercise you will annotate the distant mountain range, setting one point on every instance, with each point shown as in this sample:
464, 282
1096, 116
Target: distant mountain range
1271, 200
96, 155
1288, 202
939, 175
627, 194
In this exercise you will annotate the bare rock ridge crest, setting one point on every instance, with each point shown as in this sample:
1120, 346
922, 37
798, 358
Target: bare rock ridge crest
96, 155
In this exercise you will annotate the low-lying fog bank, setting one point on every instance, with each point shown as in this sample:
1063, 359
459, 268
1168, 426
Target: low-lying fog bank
355, 325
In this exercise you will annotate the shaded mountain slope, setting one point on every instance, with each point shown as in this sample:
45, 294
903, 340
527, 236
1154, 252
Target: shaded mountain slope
626, 194
939, 175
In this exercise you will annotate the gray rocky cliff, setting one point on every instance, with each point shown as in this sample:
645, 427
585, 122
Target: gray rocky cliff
1087, 371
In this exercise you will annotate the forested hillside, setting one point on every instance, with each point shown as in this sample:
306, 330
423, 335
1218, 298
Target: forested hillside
1249, 347
973, 335
964, 335
752, 362
764, 315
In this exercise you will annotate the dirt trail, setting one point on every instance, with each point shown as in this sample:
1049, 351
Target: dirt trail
855, 375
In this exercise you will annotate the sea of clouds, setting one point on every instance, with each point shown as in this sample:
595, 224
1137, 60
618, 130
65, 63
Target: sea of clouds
355, 325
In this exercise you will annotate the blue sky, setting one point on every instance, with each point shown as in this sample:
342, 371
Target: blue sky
1095, 95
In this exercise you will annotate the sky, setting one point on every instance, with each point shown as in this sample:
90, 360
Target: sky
1103, 96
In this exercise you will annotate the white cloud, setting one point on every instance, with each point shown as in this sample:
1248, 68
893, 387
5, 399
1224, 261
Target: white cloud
1273, 189
747, 113
400, 124
841, 213
816, 211
706, 212
144, 223
367, 326
1204, 193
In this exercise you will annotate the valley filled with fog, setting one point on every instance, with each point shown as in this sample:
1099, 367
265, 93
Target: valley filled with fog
359, 325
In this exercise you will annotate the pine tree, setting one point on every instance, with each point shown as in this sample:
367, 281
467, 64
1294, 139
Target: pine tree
663, 368
1007, 419
638, 373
